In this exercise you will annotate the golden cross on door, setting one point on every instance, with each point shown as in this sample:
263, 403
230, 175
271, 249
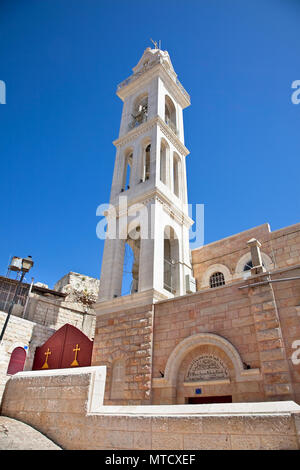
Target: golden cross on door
45, 365
75, 362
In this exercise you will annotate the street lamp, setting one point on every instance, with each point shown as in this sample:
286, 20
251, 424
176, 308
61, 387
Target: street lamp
23, 265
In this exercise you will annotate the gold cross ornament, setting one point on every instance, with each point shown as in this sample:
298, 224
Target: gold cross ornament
45, 365
75, 362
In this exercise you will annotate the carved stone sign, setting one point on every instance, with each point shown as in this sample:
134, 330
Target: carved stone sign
206, 367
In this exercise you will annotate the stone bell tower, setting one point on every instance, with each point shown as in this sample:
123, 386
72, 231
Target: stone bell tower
149, 188
148, 215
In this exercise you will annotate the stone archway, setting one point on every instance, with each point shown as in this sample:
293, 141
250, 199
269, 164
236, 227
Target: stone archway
171, 388
194, 341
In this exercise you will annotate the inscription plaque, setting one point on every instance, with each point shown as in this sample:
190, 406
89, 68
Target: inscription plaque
205, 368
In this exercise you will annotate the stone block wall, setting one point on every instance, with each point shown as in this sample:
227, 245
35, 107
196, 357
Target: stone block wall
261, 322
54, 314
281, 246
126, 334
287, 298
58, 405
19, 333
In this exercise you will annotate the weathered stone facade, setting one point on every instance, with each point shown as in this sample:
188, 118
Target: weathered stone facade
260, 322
128, 336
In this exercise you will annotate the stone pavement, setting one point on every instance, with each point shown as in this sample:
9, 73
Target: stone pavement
15, 435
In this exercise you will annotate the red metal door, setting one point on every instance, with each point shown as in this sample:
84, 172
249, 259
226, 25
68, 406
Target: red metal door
17, 361
68, 347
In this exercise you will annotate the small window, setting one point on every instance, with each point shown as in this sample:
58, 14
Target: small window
147, 162
217, 280
248, 266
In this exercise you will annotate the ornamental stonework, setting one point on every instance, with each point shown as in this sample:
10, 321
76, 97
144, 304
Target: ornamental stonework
205, 368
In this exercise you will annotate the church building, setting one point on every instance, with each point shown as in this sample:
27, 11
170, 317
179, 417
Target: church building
220, 323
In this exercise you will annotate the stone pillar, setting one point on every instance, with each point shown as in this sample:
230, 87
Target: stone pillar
274, 363
257, 265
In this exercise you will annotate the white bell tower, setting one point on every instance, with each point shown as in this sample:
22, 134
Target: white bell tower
148, 201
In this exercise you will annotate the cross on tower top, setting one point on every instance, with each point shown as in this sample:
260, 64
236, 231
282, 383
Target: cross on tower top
156, 45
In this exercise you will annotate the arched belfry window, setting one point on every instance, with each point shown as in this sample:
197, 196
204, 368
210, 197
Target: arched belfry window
146, 159
164, 155
127, 171
217, 280
140, 111
17, 361
170, 114
117, 379
171, 261
176, 174
131, 263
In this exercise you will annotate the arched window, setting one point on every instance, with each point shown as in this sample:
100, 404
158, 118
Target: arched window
217, 280
117, 379
140, 111
176, 174
146, 163
131, 263
170, 114
127, 171
171, 261
17, 361
248, 265
163, 162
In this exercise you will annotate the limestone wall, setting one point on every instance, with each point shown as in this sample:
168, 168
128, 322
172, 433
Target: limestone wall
261, 323
280, 249
59, 404
20, 333
56, 313
126, 335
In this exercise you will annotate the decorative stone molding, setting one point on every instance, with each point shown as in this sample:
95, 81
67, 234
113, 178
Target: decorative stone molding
133, 83
205, 382
144, 199
147, 126
215, 268
194, 341
139, 299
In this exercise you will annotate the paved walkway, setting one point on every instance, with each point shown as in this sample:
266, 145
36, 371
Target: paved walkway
15, 435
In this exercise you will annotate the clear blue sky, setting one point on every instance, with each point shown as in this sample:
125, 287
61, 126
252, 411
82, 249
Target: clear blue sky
61, 61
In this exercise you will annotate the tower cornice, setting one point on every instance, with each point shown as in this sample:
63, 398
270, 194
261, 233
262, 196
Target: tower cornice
133, 83
144, 127
154, 194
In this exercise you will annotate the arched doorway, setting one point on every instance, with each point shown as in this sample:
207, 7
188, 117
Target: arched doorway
17, 361
204, 368
68, 347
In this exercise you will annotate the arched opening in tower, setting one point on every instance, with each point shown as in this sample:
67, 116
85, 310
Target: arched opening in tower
170, 114
131, 265
171, 261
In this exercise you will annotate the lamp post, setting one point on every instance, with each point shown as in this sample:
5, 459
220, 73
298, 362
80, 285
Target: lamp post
26, 265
